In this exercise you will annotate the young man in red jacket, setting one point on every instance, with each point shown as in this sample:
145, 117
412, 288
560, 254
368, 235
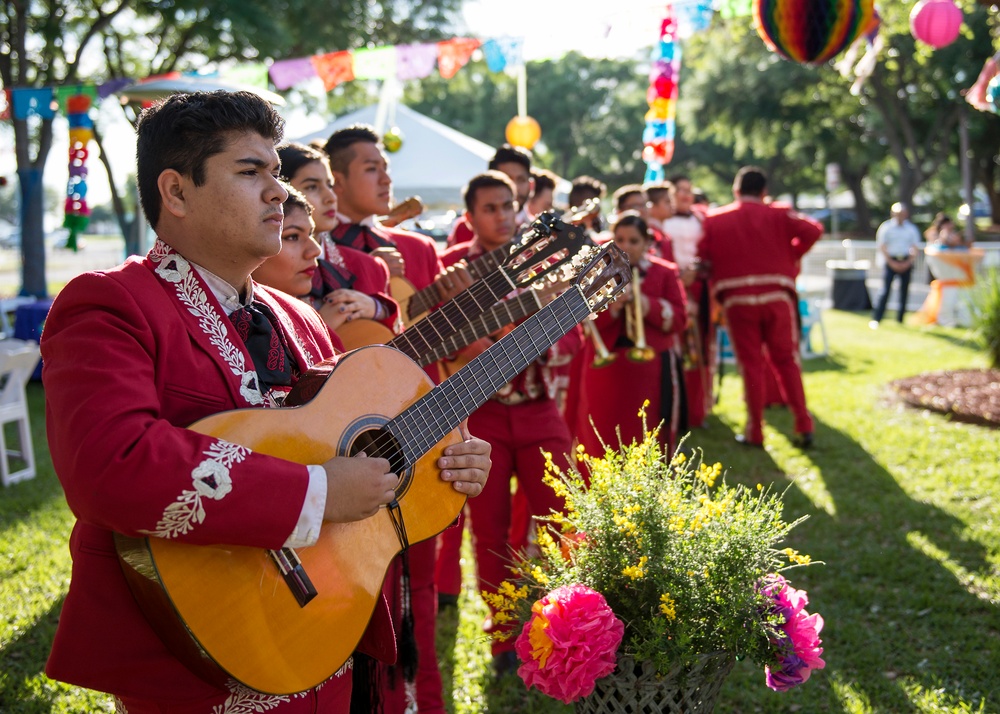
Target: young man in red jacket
752, 251
135, 354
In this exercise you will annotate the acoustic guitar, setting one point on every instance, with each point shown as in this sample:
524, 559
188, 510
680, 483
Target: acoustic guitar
547, 246
283, 621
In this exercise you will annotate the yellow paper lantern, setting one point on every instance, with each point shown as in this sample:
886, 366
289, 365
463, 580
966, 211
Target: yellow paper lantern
523, 131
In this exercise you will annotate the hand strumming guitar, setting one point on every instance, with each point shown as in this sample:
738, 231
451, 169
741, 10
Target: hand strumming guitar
453, 280
393, 258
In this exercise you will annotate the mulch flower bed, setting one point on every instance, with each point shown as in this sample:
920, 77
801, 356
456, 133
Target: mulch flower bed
969, 395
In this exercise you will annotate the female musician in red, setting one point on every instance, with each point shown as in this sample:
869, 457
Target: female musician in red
347, 284
611, 395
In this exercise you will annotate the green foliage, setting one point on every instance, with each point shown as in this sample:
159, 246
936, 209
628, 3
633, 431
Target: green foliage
677, 559
985, 301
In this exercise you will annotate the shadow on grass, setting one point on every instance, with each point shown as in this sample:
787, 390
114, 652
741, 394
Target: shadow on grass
897, 615
24, 660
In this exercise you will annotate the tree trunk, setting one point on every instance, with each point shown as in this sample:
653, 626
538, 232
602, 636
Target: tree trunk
128, 228
862, 211
30, 173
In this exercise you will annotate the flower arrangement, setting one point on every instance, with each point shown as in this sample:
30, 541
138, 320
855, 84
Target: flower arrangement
655, 561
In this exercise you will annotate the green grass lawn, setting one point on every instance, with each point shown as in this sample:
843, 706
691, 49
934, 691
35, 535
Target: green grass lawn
904, 508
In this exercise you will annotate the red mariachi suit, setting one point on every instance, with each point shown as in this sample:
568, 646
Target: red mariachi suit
520, 422
612, 395
753, 251
371, 277
132, 356
421, 267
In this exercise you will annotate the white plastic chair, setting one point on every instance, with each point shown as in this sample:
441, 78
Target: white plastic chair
812, 316
18, 359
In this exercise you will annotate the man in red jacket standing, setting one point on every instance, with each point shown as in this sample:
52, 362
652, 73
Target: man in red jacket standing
752, 250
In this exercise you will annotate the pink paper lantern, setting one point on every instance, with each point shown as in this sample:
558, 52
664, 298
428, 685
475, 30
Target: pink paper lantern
936, 22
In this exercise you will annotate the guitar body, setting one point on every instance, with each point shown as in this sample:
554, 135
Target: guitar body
362, 333
402, 290
232, 601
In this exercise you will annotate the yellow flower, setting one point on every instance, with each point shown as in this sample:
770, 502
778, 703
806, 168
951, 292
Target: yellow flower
795, 557
541, 644
636, 571
678, 459
668, 607
539, 576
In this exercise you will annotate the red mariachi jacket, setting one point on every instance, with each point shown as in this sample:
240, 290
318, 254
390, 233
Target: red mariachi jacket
132, 356
667, 316
753, 248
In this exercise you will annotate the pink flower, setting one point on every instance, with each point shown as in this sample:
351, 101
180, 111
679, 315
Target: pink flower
799, 648
569, 643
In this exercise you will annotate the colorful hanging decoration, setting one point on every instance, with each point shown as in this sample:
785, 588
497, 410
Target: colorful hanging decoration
664, 75
81, 131
811, 31
935, 22
993, 95
523, 131
978, 95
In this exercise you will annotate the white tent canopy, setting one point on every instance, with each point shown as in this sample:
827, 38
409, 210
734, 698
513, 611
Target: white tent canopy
435, 161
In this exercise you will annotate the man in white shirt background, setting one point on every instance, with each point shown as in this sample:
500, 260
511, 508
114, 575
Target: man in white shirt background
898, 241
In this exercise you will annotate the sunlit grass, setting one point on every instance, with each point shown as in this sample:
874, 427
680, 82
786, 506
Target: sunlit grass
903, 509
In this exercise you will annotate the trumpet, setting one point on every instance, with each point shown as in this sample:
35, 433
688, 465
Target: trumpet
602, 356
635, 327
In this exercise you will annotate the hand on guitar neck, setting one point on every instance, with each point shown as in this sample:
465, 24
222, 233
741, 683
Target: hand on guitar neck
454, 280
393, 258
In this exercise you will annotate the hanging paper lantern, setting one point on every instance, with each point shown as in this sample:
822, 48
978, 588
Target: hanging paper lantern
81, 131
664, 73
811, 31
935, 22
392, 140
523, 131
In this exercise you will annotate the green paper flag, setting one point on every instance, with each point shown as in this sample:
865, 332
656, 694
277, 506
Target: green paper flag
252, 74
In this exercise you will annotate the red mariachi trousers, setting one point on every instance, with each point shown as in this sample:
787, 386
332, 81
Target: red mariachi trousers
518, 434
756, 321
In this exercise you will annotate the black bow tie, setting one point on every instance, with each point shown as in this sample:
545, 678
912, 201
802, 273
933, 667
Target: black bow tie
271, 359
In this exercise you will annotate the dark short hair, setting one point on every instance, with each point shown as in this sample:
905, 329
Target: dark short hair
296, 199
509, 154
676, 178
583, 188
487, 179
654, 191
624, 192
339, 146
185, 130
294, 156
750, 181
632, 218
544, 179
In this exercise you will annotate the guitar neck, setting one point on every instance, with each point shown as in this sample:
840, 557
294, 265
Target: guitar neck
500, 315
423, 300
425, 423
426, 336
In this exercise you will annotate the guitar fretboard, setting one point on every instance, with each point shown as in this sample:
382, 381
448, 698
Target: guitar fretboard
423, 300
426, 422
500, 315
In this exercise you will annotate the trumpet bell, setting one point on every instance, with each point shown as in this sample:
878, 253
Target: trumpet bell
603, 360
641, 354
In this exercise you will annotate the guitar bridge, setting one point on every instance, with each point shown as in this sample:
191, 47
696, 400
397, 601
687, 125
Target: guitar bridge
295, 576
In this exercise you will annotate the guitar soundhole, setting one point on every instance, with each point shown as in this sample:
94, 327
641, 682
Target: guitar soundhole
380, 443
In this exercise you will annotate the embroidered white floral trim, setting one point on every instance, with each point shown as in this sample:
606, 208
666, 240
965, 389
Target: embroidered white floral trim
175, 269
331, 251
210, 479
244, 700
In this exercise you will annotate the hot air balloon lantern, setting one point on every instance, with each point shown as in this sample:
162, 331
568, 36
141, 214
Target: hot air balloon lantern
935, 22
811, 31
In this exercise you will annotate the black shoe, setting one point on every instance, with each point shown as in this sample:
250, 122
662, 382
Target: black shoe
742, 440
803, 441
505, 663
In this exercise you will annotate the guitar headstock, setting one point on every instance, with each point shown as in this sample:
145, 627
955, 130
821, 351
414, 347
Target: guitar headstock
603, 272
548, 244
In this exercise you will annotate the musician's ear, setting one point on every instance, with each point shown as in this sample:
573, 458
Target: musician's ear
171, 185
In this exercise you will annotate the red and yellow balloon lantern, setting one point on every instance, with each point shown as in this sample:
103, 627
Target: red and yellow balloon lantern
811, 31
